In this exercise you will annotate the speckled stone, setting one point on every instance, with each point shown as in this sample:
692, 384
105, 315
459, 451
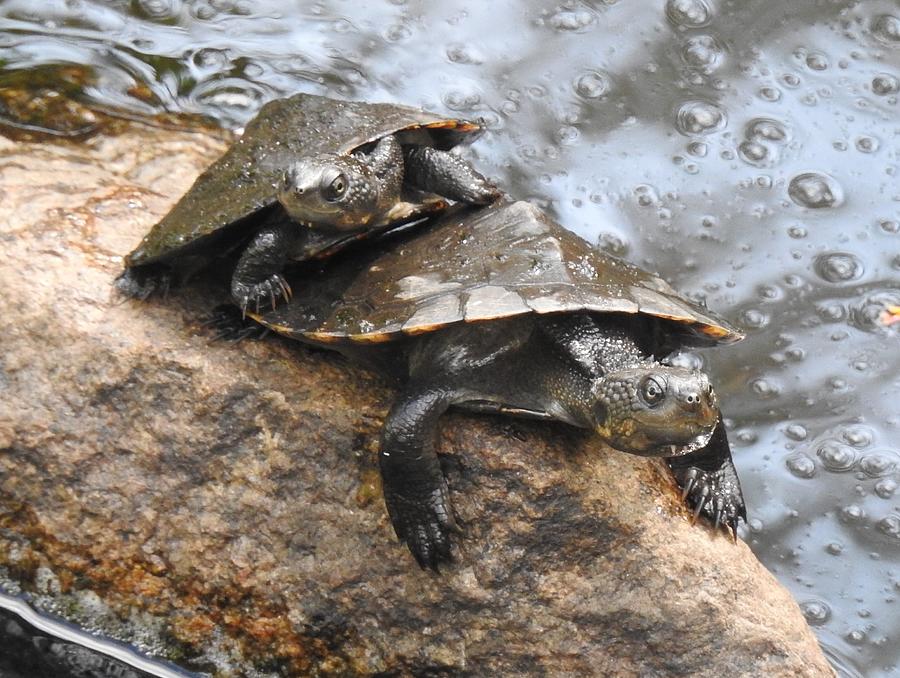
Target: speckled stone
231, 491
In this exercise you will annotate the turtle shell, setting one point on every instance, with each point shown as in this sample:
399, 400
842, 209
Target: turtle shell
245, 180
479, 264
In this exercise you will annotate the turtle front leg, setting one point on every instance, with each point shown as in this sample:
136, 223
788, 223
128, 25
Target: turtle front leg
257, 276
709, 481
447, 175
415, 490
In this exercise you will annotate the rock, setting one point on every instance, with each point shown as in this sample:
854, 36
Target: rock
225, 497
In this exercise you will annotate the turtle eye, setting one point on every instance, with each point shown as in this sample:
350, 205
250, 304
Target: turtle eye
336, 188
652, 391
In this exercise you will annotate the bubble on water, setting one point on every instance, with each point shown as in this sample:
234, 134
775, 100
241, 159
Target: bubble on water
202, 11
816, 612
688, 13
858, 436
817, 61
867, 314
791, 80
698, 149
685, 359
575, 20
613, 243
703, 53
158, 9
592, 84
460, 53
700, 117
852, 513
398, 33
885, 488
457, 100
884, 84
815, 190
796, 432
886, 28
836, 457
764, 388
767, 129
856, 636
877, 464
867, 144
754, 153
834, 548
889, 226
770, 93
754, 319
646, 195
831, 311
890, 526
838, 267
797, 232
801, 465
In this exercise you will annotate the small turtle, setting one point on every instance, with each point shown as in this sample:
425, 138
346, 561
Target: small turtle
502, 310
342, 169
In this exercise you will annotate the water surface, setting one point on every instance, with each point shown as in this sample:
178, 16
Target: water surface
744, 150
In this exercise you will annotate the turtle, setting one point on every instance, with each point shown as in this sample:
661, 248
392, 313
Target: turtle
500, 309
308, 175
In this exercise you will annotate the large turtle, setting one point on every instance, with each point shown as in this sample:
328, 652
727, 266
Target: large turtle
502, 310
338, 170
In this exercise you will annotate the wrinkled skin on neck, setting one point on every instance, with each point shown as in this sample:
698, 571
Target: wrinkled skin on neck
655, 410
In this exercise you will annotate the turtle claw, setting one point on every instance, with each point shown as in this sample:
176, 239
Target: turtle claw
424, 525
270, 290
712, 494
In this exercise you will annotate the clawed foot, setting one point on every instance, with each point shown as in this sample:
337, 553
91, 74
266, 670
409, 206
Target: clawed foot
230, 324
248, 295
424, 524
715, 494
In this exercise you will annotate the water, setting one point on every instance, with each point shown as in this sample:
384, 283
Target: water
745, 150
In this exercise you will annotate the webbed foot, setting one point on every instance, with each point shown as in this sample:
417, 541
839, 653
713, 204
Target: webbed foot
710, 484
424, 523
253, 295
229, 324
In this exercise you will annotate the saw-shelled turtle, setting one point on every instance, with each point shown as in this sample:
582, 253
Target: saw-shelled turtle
500, 309
308, 175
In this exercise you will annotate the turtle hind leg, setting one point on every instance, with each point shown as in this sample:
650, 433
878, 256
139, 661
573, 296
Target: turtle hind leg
415, 490
447, 175
709, 482
257, 277
141, 282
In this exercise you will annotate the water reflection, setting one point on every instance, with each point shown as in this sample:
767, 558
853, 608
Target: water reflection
744, 153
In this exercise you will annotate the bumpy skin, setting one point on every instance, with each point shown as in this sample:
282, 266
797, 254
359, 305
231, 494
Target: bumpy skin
344, 192
587, 371
447, 174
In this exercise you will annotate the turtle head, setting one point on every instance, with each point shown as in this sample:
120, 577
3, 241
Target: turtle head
655, 410
331, 191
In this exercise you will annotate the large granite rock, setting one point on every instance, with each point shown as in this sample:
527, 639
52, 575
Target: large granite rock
230, 492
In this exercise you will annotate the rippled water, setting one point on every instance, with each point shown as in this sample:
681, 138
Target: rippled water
746, 150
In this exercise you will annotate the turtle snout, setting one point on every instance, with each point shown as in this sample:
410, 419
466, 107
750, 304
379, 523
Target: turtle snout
695, 394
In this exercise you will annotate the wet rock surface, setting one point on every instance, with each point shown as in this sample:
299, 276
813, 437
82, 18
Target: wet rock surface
231, 491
